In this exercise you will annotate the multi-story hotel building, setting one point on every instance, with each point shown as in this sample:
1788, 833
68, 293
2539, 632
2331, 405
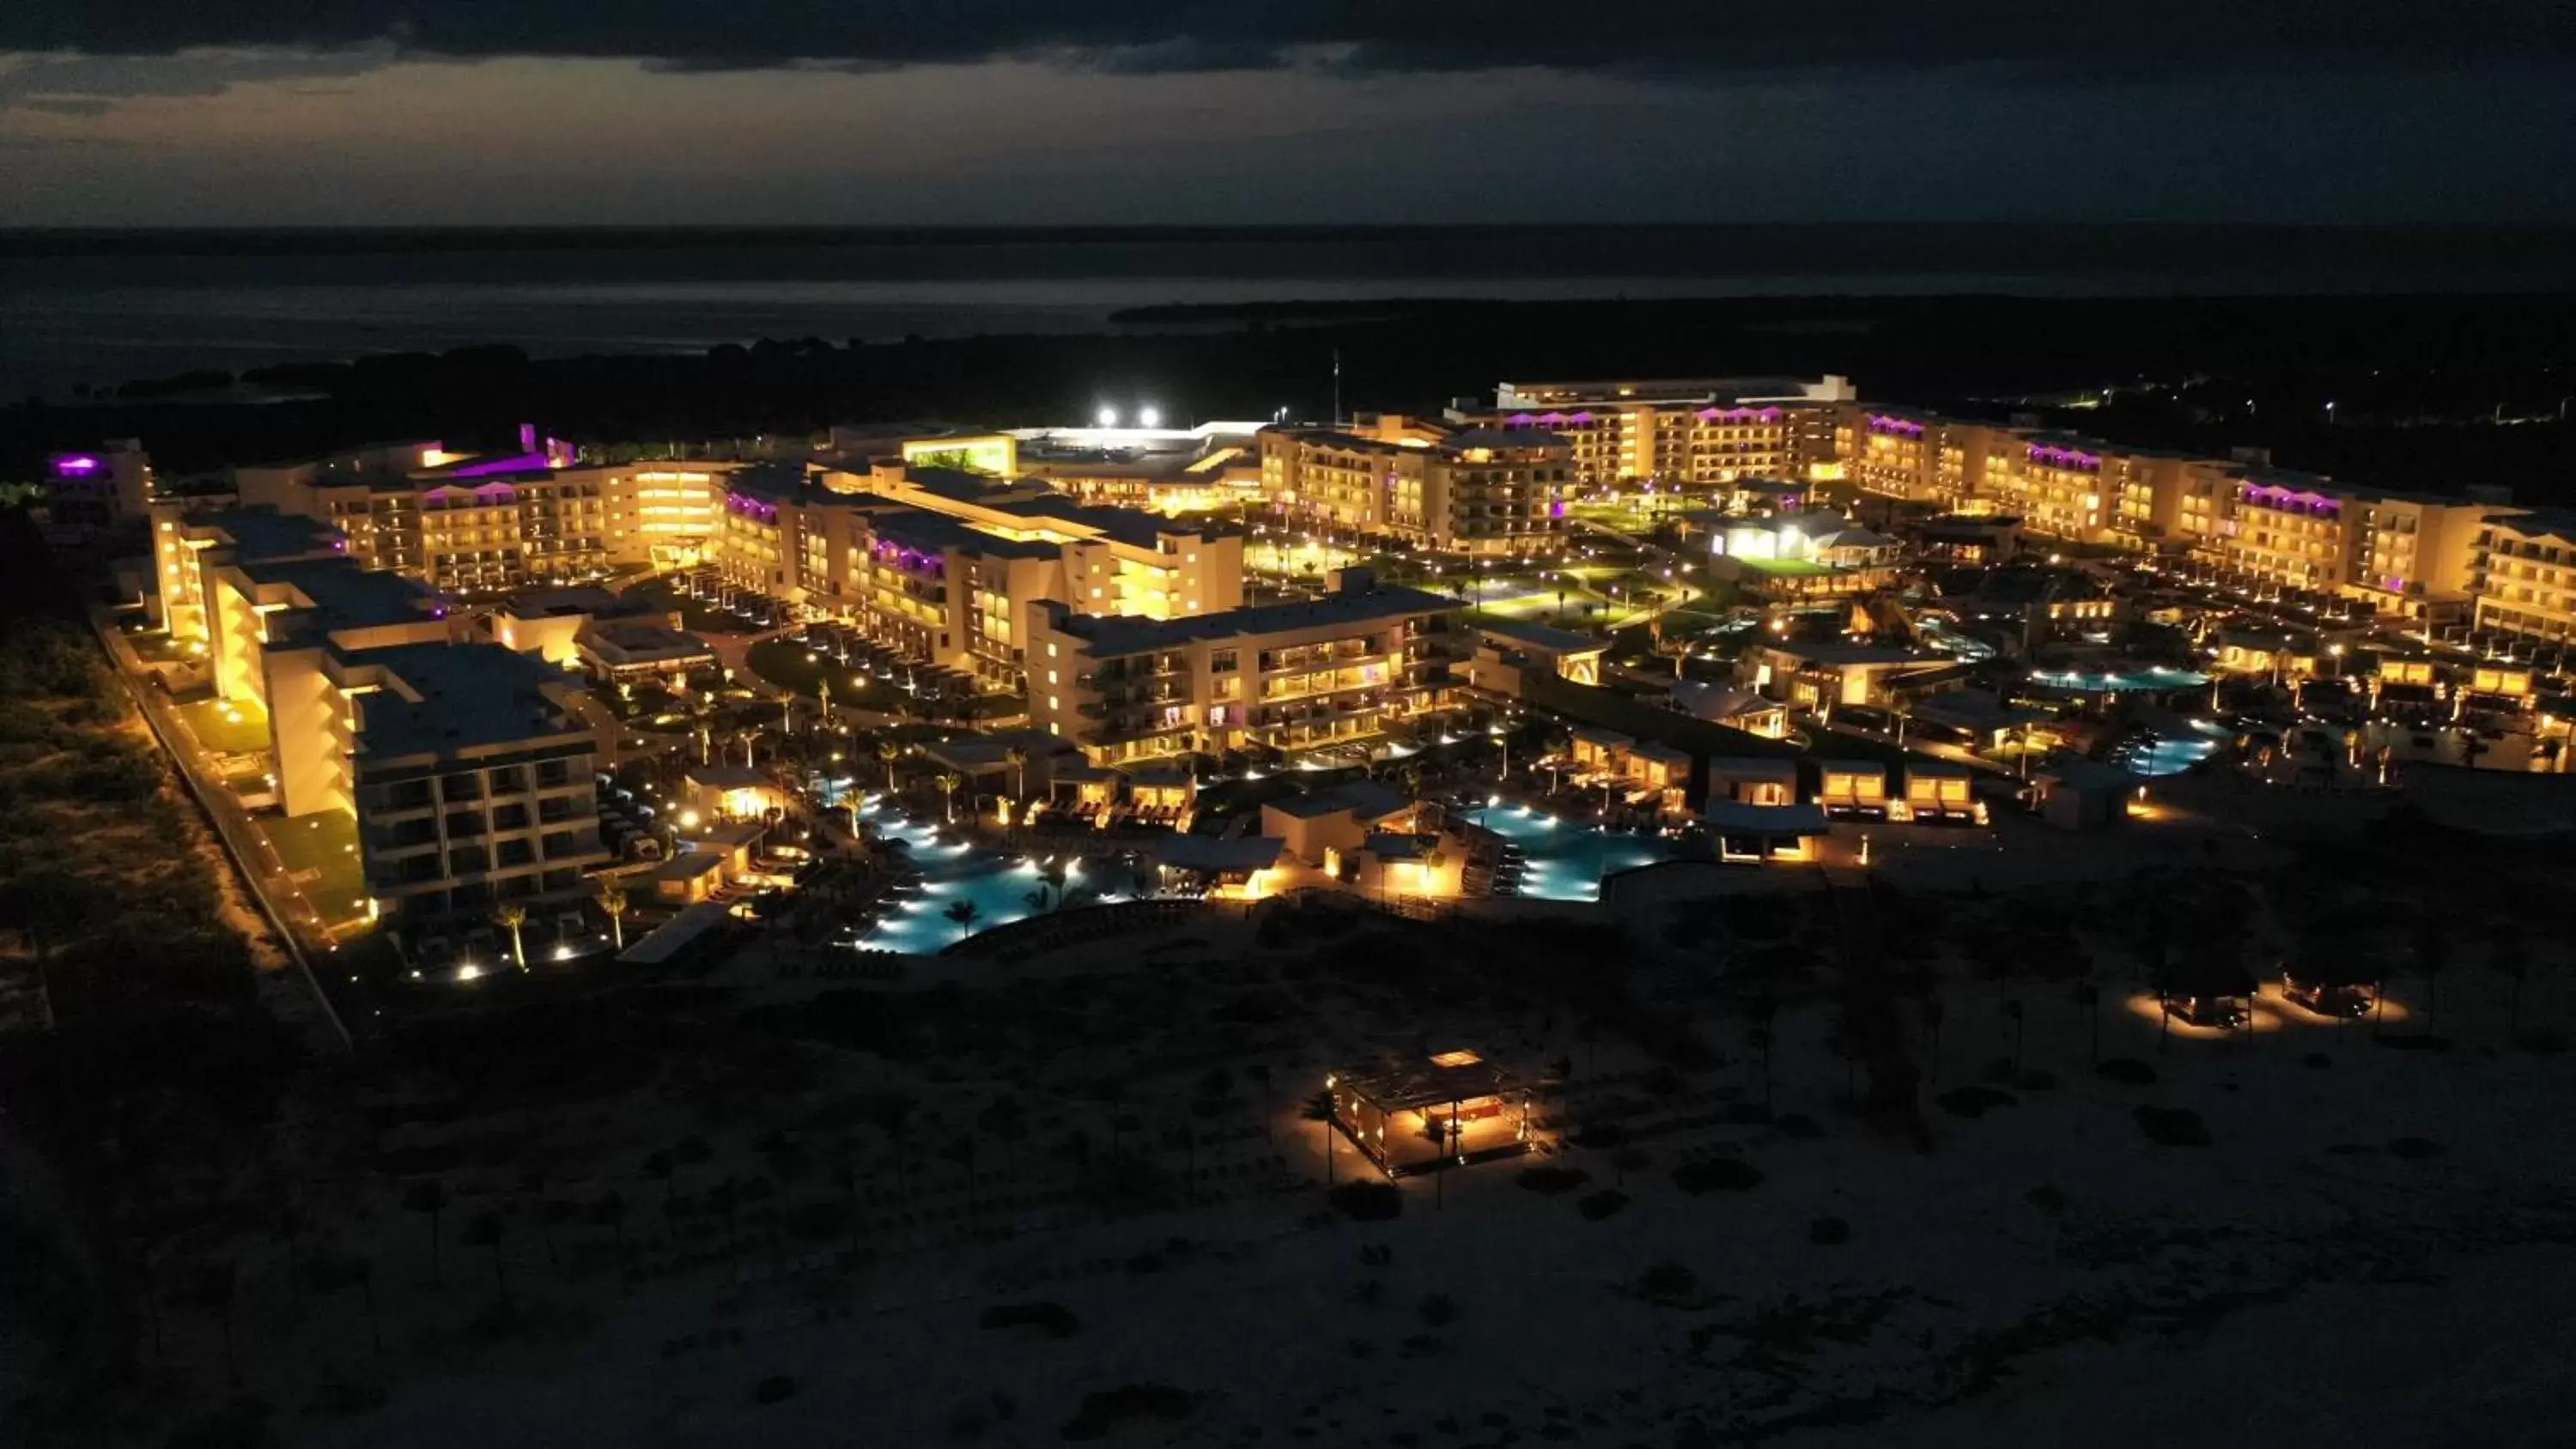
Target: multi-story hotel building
470, 524
1292, 675
947, 565
1475, 490
2524, 574
1678, 430
2404, 555
465, 769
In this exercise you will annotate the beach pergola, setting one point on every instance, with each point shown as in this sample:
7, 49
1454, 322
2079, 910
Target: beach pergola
1421, 1115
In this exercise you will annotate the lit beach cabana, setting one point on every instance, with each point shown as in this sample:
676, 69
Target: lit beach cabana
2208, 993
1745, 834
2331, 983
1852, 787
1939, 790
1442, 1111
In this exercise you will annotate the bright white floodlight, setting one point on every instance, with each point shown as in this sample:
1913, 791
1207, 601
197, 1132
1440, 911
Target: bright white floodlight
1148, 418
1106, 417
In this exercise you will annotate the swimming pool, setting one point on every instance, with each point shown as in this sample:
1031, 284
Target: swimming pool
2165, 754
998, 882
1567, 859
2126, 681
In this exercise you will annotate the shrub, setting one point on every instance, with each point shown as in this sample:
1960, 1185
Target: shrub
1716, 1174
2172, 1126
1368, 1202
1744, 1114
774, 1389
2128, 1071
1057, 1320
1438, 1310
1598, 1205
2414, 1149
1829, 1232
1552, 1179
1600, 1135
1798, 1124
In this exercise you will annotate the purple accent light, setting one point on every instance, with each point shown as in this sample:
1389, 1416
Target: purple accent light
2055, 457
75, 465
1520, 420
515, 463
1899, 427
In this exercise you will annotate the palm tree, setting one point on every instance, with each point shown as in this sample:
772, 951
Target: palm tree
1018, 759
612, 899
512, 917
1054, 875
429, 1199
889, 752
1322, 1108
964, 913
948, 796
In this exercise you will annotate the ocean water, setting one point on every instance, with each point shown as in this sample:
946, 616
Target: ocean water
102, 307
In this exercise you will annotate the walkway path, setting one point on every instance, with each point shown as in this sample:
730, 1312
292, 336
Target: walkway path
295, 924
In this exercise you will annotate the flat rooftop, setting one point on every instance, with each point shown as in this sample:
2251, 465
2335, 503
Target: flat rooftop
346, 596
262, 534
1113, 634
471, 695
1540, 636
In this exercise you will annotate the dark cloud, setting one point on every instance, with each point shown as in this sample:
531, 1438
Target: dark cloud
2106, 38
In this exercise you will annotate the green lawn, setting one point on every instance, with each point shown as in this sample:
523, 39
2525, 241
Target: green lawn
320, 852
227, 728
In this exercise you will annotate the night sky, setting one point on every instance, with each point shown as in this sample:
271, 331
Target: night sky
173, 112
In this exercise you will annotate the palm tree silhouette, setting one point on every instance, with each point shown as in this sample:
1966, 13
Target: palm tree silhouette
964, 913
1322, 1108
512, 917
612, 899
948, 796
889, 752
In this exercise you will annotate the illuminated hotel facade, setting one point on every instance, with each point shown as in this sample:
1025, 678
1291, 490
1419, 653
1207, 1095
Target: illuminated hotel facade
2403, 555
465, 766
1290, 676
947, 565
1690, 431
471, 524
1485, 491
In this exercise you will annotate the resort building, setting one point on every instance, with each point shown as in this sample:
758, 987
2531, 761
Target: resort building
462, 767
103, 488
1688, 431
1451, 1109
1287, 676
475, 524
946, 565
472, 778
1478, 490
1212, 468
615, 638
2524, 575
1509, 651
1813, 555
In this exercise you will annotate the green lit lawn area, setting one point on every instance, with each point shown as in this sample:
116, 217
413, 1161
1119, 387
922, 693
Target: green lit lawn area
1785, 568
237, 727
320, 852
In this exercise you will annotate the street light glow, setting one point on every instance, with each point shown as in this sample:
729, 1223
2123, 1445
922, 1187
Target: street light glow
1106, 417
1149, 417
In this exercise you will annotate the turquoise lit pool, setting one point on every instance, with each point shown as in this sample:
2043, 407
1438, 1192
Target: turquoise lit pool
998, 882
2124, 681
2167, 754
1567, 859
